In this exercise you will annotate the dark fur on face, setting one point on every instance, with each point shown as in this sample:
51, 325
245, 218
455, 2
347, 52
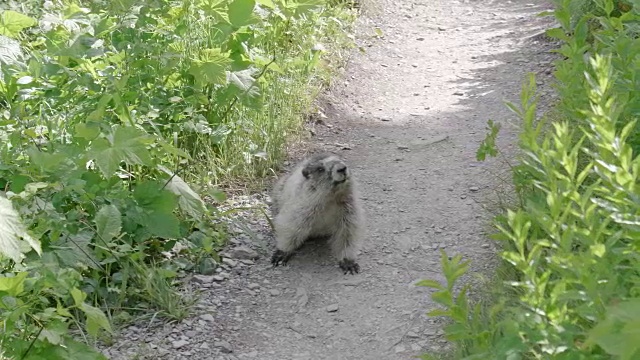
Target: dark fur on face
326, 166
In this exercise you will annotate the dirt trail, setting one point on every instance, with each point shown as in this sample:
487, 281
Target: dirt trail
412, 109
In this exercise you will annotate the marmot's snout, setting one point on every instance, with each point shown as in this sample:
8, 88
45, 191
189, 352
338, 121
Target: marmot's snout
340, 173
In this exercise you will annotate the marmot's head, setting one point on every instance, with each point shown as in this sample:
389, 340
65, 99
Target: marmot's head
327, 168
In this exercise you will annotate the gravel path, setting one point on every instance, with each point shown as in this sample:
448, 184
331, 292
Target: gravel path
408, 115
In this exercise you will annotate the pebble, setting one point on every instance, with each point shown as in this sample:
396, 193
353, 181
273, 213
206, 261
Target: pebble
412, 334
275, 292
207, 317
400, 348
224, 346
230, 262
243, 252
332, 308
253, 286
179, 343
474, 188
218, 277
203, 279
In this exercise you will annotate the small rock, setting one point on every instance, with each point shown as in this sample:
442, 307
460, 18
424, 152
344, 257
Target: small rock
402, 147
224, 346
486, 246
274, 292
412, 334
458, 93
474, 188
400, 348
230, 262
332, 308
385, 119
253, 286
420, 39
416, 347
218, 277
203, 279
251, 354
243, 252
207, 317
179, 343
442, 28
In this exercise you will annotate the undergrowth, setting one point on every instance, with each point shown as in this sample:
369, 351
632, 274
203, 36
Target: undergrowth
571, 249
116, 119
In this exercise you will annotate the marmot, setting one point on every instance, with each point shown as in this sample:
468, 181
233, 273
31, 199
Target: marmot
318, 199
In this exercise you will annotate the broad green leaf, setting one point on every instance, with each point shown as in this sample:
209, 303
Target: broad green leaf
87, 131
96, 319
218, 195
189, 201
108, 222
13, 235
164, 225
78, 350
11, 23
267, 3
46, 161
211, 67
598, 250
243, 81
303, 6
126, 144
76, 251
241, 13
63, 311
10, 51
13, 286
78, 296
216, 9
150, 195
55, 332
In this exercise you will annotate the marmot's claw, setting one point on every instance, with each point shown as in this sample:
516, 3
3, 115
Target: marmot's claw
349, 266
279, 257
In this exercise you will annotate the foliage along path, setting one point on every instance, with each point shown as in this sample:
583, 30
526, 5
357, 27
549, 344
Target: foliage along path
409, 115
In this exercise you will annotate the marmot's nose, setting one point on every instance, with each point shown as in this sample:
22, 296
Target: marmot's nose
341, 169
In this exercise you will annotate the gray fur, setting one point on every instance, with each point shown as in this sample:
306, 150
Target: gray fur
319, 198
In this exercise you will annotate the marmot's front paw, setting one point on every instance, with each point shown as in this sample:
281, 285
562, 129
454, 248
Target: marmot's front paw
280, 257
349, 266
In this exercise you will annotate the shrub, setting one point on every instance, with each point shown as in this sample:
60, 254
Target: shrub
573, 286
108, 111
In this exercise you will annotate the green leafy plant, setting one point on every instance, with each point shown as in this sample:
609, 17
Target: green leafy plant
573, 246
115, 119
